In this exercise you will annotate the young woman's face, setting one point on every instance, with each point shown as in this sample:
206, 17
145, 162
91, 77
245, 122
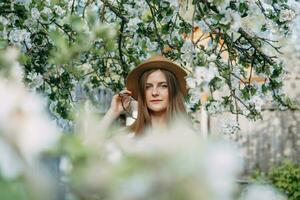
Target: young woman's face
157, 93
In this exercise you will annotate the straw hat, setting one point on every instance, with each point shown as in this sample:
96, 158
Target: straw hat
155, 62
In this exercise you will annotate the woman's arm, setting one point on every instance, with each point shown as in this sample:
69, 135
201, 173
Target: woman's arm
116, 108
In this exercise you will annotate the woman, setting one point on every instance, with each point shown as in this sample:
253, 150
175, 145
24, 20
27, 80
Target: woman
159, 86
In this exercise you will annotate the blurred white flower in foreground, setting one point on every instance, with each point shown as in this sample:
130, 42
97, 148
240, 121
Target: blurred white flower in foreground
24, 122
222, 165
9, 59
25, 128
10, 165
170, 163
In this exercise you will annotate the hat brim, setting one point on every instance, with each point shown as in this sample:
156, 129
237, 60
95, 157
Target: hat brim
133, 77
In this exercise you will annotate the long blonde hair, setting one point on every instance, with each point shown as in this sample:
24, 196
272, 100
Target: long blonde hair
176, 102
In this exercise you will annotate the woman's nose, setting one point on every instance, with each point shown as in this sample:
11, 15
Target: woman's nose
155, 91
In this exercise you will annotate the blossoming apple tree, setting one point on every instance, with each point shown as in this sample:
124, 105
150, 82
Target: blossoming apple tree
71, 48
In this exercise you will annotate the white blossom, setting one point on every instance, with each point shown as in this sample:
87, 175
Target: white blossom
35, 14
86, 67
17, 36
267, 6
152, 46
116, 77
12, 18
133, 23
167, 19
175, 35
222, 5
203, 74
4, 21
141, 5
194, 96
226, 19
27, 40
191, 83
186, 10
26, 3
59, 11
187, 49
36, 80
236, 21
253, 22
235, 81
257, 101
203, 26
173, 3
286, 15
47, 11
212, 58
246, 112
214, 107
230, 126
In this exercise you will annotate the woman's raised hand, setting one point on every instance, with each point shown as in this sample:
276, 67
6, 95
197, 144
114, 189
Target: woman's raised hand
119, 102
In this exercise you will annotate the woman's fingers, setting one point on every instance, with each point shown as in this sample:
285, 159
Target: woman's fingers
125, 92
126, 98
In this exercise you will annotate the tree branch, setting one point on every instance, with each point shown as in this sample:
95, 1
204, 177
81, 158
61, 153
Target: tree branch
115, 10
155, 27
120, 40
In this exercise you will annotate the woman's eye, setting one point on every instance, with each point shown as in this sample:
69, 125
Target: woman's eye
148, 86
164, 86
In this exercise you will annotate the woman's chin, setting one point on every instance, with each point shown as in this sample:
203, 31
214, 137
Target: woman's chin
157, 110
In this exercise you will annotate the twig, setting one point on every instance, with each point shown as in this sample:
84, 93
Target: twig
72, 7
249, 39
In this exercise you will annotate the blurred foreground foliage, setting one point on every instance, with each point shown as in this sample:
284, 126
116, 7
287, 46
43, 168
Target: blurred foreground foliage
67, 50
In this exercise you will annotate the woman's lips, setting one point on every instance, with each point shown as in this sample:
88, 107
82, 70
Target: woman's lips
155, 101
